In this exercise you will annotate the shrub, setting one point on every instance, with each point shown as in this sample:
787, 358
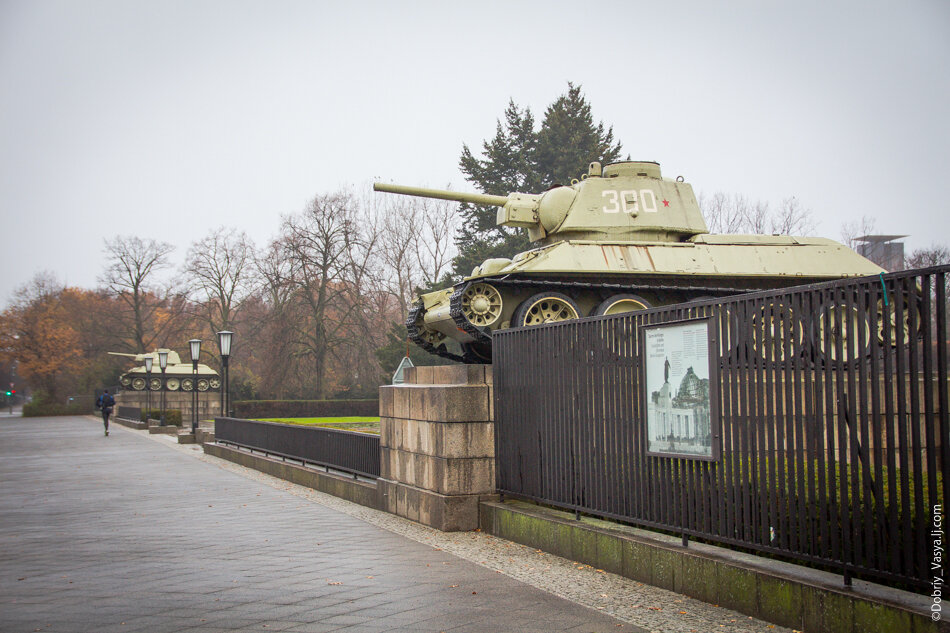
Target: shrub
172, 416
251, 409
42, 409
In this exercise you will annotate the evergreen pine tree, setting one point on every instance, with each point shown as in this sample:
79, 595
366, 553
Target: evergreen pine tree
521, 159
569, 141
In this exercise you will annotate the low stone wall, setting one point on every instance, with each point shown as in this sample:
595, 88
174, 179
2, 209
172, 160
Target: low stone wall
360, 492
437, 445
797, 597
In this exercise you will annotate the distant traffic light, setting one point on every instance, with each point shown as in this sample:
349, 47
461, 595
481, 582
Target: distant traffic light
9, 393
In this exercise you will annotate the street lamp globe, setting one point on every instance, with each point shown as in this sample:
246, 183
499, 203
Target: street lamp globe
163, 359
195, 345
148, 364
224, 342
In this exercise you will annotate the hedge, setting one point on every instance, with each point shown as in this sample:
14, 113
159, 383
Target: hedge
251, 409
43, 409
172, 416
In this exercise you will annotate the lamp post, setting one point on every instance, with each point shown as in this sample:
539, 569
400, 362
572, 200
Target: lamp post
163, 363
195, 345
224, 344
148, 387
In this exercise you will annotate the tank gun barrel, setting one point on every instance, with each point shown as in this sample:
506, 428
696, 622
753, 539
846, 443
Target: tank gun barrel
135, 356
442, 194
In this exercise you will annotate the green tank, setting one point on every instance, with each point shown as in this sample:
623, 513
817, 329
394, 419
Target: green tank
621, 238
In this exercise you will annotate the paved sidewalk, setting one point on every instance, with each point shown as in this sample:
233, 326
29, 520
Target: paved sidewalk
122, 534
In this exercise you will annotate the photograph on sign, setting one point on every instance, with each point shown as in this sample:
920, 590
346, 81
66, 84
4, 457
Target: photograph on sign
677, 383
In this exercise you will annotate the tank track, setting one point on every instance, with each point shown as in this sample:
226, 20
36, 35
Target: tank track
415, 312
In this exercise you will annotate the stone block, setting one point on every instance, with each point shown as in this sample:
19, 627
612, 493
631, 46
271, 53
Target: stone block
422, 375
407, 503
546, 536
638, 561
455, 403
584, 545
410, 375
780, 602
609, 553
418, 401
488, 375
564, 536
386, 395
738, 589
667, 570
445, 476
700, 578
401, 401
456, 375
385, 431
186, 438
524, 529
502, 522
385, 462
447, 513
877, 618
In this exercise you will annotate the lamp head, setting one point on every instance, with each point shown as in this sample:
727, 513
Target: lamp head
195, 345
224, 342
148, 364
163, 359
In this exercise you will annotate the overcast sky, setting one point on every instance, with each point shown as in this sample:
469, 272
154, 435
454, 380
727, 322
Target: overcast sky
166, 119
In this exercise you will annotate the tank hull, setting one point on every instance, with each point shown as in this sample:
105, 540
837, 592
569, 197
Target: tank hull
582, 277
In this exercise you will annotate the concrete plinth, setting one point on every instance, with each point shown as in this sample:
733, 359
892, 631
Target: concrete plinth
437, 445
209, 402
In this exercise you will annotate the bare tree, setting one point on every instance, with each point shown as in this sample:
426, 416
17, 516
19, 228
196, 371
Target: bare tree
724, 214
850, 231
220, 270
793, 219
731, 214
317, 246
130, 270
935, 255
434, 244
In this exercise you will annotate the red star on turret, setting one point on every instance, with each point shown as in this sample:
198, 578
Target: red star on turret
666, 203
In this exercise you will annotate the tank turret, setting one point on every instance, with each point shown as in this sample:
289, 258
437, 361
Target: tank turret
627, 201
621, 238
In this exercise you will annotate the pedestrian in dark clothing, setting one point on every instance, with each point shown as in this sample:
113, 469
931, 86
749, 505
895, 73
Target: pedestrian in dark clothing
105, 403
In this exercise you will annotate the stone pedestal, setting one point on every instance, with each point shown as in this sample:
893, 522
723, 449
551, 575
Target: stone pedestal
437, 445
209, 402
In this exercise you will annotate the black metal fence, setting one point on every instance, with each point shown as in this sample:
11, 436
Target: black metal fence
129, 413
826, 431
348, 451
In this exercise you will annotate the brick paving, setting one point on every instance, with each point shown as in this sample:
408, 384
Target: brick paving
122, 534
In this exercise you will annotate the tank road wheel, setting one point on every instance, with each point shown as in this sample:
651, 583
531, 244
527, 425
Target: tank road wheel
481, 304
854, 343
769, 336
619, 304
544, 307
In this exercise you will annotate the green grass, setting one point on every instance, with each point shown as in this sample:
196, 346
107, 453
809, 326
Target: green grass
362, 424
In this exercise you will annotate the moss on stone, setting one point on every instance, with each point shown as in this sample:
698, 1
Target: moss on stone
780, 602
738, 590
609, 553
876, 618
